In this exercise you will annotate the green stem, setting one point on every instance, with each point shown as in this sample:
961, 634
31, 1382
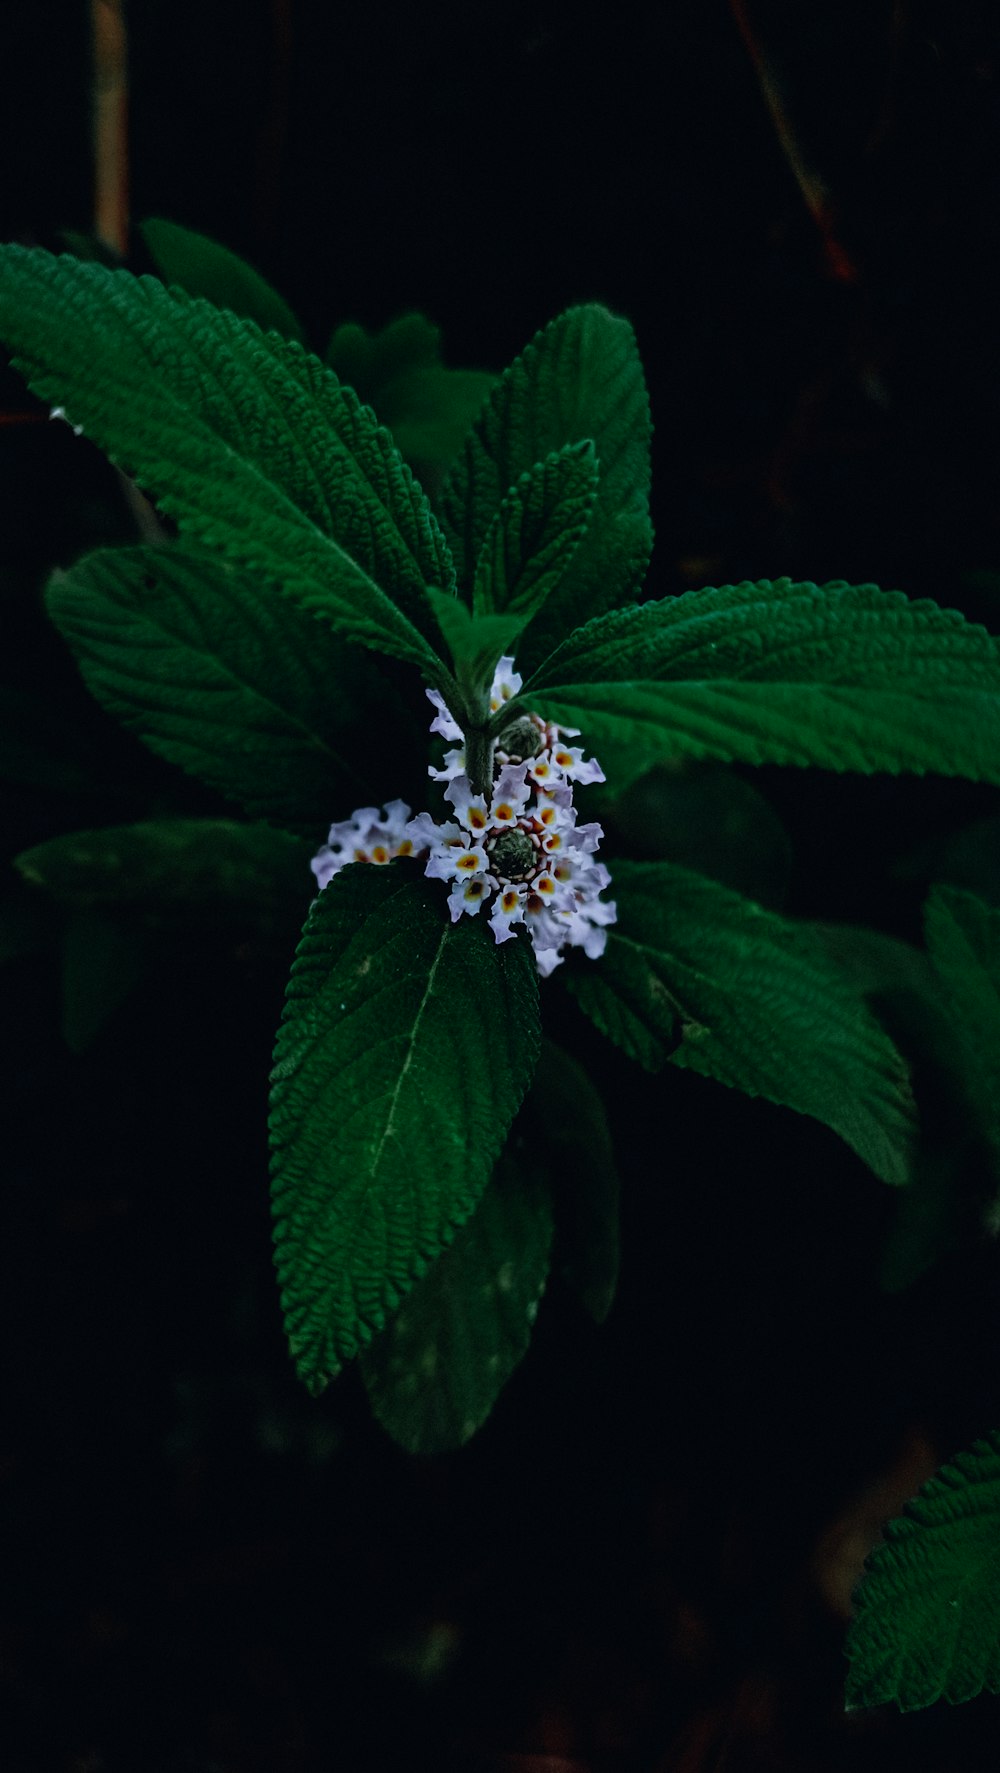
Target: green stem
479, 744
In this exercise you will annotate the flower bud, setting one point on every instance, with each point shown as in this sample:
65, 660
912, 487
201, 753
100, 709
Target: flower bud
520, 739
513, 855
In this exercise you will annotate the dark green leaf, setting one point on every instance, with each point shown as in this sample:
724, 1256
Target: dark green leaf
534, 536
927, 1624
369, 362
698, 974
430, 412
843, 677
230, 683
399, 372
169, 867
580, 377
706, 817
567, 1121
436, 1370
406, 1046
204, 268
247, 441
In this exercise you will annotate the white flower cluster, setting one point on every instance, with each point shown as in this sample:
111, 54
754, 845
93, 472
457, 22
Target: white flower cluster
519, 850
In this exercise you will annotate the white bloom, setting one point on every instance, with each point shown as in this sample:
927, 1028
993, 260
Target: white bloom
367, 836
517, 848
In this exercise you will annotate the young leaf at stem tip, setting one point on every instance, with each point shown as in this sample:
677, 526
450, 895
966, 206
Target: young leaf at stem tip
405, 1048
535, 534
580, 377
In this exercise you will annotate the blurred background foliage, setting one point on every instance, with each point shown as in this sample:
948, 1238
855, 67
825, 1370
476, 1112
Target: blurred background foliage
644, 1560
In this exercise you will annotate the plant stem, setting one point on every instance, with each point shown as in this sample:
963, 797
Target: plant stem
479, 744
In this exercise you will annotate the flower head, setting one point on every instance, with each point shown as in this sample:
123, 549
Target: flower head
517, 848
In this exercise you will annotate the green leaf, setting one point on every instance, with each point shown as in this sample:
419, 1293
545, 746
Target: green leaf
398, 371
204, 268
566, 1119
247, 441
963, 941
580, 377
235, 686
406, 1046
531, 542
436, 1370
843, 677
927, 1624
430, 412
696, 973
372, 361
475, 643
705, 817
170, 867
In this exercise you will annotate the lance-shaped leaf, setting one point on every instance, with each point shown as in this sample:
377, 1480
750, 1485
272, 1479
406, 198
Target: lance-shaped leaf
531, 542
436, 1370
169, 868
843, 677
252, 445
580, 377
927, 1624
205, 268
963, 941
406, 1046
224, 679
695, 973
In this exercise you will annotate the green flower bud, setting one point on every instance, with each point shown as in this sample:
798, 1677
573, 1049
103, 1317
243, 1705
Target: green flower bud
513, 855
520, 739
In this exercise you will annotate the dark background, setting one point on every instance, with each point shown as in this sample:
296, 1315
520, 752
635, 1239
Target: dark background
643, 1561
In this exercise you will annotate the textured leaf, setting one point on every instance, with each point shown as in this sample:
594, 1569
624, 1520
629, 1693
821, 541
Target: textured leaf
204, 268
531, 542
248, 442
963, 940
927, 1624
234, 685
567, 1121
843, 677
580, 377
169, 867
436, 1370
406, 1046
398, 371
698, 974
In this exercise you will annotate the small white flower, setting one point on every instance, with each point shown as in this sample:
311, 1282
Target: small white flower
367, 836
517, 848
506, 683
